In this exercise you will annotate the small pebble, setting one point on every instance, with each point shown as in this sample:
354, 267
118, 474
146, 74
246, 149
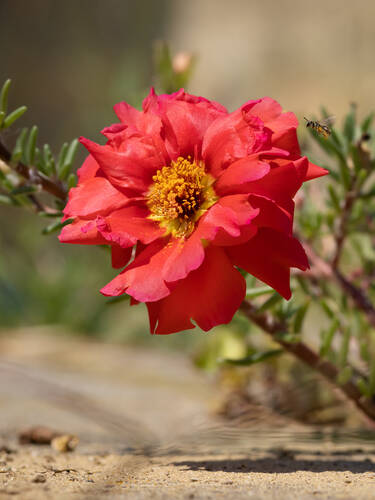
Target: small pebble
39, 478
65, 443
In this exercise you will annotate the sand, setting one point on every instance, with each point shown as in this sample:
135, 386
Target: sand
146, 430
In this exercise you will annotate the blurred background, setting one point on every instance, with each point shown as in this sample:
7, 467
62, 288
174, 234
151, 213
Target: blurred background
71, 61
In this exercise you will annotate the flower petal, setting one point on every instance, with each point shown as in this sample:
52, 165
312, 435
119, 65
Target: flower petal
314, 171
240, 172
155, 270
271, 214
120, 256
142, 278
197, 298
229, 221
127, 225
268, 256
130, 169
127, 114
88, 169
233, 137
83, 232
94, 196
271, 113
280, 184
185, 119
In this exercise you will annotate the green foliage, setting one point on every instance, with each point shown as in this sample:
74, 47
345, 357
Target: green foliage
22, 179
7, 120
256, 357
259, 291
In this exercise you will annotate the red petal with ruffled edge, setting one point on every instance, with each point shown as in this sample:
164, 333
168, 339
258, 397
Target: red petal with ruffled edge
92, 197
163, 261
229, 221
132, 169
154, 271
141, 279
197, 297
233, 137
185, 119
284, 126
187, 124
280, 184
128, 225
83, 232
269, 256
239, 173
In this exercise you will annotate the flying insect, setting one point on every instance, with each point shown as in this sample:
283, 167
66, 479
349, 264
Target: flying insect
322, 127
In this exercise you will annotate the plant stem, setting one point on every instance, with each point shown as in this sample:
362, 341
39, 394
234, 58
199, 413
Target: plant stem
32, 174
269, 324
321, 269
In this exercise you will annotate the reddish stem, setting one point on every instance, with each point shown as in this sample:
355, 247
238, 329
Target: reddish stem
276, 328
36, 177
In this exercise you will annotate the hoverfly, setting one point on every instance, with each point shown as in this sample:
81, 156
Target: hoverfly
322, 127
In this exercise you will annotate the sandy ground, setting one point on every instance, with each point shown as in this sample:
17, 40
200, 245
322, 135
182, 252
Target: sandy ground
146, 430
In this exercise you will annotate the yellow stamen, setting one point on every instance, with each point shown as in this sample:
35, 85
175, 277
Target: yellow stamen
181, 193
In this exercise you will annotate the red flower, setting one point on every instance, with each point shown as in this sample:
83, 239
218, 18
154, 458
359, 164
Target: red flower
196, 192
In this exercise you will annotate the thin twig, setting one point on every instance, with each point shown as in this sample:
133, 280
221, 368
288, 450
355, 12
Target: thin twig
321, 269
32, 174
268, 323
39, 207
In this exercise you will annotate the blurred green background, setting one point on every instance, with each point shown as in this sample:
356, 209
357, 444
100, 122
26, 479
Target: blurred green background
71, 61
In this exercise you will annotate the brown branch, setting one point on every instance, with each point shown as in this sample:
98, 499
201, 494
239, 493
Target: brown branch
39, 207
276, 328
32, 174
358, 296
321, 269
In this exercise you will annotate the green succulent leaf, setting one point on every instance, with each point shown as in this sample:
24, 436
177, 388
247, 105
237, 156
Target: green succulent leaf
251, 293
116, 300
19, 147
15, 115
364, 387
327, 338
367, 122
56, 226
257, 357
62, 156
345, 374
72, 180
4, 96
300, 316
272, 301
68, 159
344, 348
31, 145
25, 189
49, 160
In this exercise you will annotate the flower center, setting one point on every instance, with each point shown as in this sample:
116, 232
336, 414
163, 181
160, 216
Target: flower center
180, 195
